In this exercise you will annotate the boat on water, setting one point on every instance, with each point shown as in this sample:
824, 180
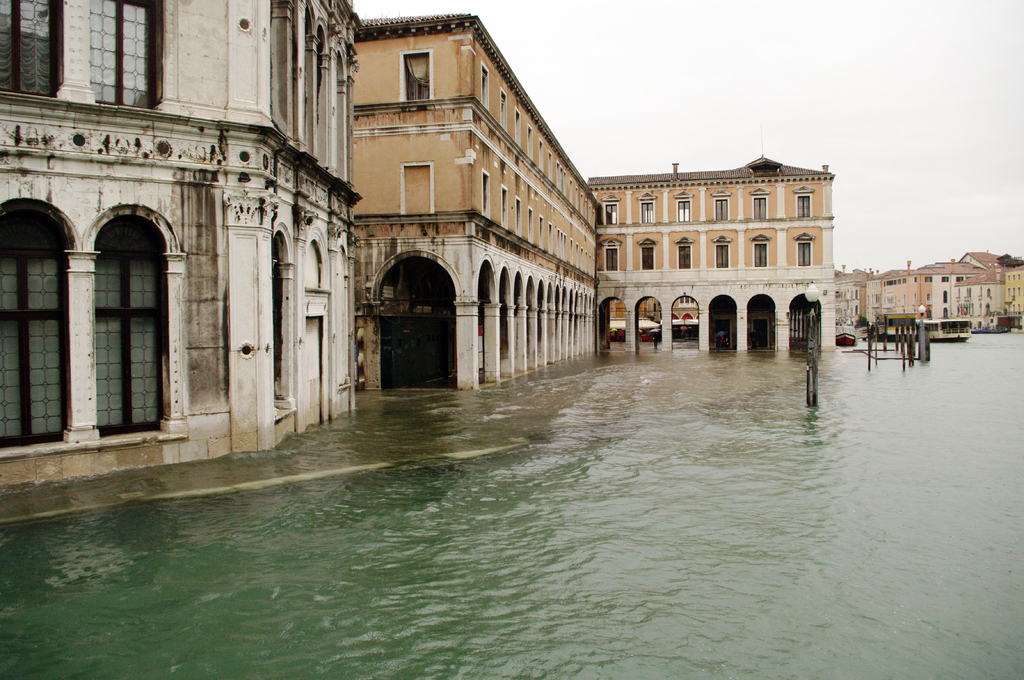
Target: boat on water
948, 330
990, 330
846, 335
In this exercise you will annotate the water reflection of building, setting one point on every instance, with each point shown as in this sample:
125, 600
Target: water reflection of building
476, 234
174, 223
743, 245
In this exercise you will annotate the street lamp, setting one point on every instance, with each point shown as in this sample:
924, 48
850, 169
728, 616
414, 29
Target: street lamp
812, 294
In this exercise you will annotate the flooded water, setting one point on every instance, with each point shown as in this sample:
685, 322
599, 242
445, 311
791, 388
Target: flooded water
666, 515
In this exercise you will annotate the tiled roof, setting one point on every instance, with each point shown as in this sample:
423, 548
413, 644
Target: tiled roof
738, 173
986, 259
392, 21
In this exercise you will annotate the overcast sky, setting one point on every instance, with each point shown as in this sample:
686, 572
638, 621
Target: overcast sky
917, 107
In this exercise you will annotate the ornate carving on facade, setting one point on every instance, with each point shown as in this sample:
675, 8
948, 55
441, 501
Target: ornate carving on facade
245, 209
315, 191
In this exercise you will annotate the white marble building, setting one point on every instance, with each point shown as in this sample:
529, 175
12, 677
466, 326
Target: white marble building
175, 218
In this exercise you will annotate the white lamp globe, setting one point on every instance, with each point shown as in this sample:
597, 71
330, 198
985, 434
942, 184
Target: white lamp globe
812, 293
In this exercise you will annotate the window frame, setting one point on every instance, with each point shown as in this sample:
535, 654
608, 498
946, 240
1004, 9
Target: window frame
761, 254
647, 261
485, 86
803, 205
485, 203
687, 261
612, 210
54, 40
404, 70
721, 262
684, 212
647, 212
760, 207
125, 314
24, 315
154, 28
804, 253
721, 209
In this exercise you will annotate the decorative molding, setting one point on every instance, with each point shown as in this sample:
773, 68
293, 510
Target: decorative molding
760, 191
721, 239
761, 238
721, 193
647, 196
684, 240
245, 209
610, 198
647, 242
683, 195
804, 190
804, 237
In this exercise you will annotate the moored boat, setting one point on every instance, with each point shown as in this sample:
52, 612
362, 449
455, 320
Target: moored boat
846, 335
948, 330
990, 330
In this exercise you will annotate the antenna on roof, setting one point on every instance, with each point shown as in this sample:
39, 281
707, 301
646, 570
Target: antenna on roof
762, 139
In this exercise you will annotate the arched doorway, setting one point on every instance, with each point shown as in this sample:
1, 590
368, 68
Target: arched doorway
487, 359
611, 324
685, 319
648, 321
761, 323
722, 323
417, 325
800, 320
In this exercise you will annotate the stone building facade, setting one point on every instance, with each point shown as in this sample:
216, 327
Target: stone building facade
475, 238
734, 250
175, 221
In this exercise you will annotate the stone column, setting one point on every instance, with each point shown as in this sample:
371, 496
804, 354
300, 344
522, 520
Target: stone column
703, 208
783, 242
544, 350
780, 201
782, 331
174, 400
284, 396
82, 369
508, 361
250, 366
741, 255
492, 343
704, 328
741, 330
666, 327
76, 83
630, 330
521, 335
532, 347
466, 332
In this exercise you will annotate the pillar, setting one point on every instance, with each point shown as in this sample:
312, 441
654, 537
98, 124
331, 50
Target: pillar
82, 369
492, 343
466, 356
521, 335
174, 401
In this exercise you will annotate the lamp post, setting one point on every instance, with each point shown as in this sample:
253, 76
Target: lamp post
812, 294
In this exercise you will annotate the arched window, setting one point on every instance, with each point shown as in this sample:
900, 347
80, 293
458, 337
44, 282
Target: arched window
129, 326
33, 346
314, 267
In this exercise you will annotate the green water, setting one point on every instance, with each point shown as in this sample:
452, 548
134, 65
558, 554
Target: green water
667, 515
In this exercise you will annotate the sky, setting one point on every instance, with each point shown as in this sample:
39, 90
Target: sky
916, 107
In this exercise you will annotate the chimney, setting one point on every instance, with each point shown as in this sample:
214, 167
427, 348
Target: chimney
675, 171
824, 168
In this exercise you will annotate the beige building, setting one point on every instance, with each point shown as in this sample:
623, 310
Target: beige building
737, 247
851, 295
174, 229
904, 291
476, 237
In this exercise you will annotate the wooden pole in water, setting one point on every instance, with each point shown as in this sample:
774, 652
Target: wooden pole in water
870, 331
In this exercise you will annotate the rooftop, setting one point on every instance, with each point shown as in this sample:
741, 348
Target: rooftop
762, 167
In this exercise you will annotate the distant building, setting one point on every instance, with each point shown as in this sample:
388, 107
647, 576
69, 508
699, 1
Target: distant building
476, 234
736, 247
174, 230
851, 295
1014, 295
981, 298
904, 291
